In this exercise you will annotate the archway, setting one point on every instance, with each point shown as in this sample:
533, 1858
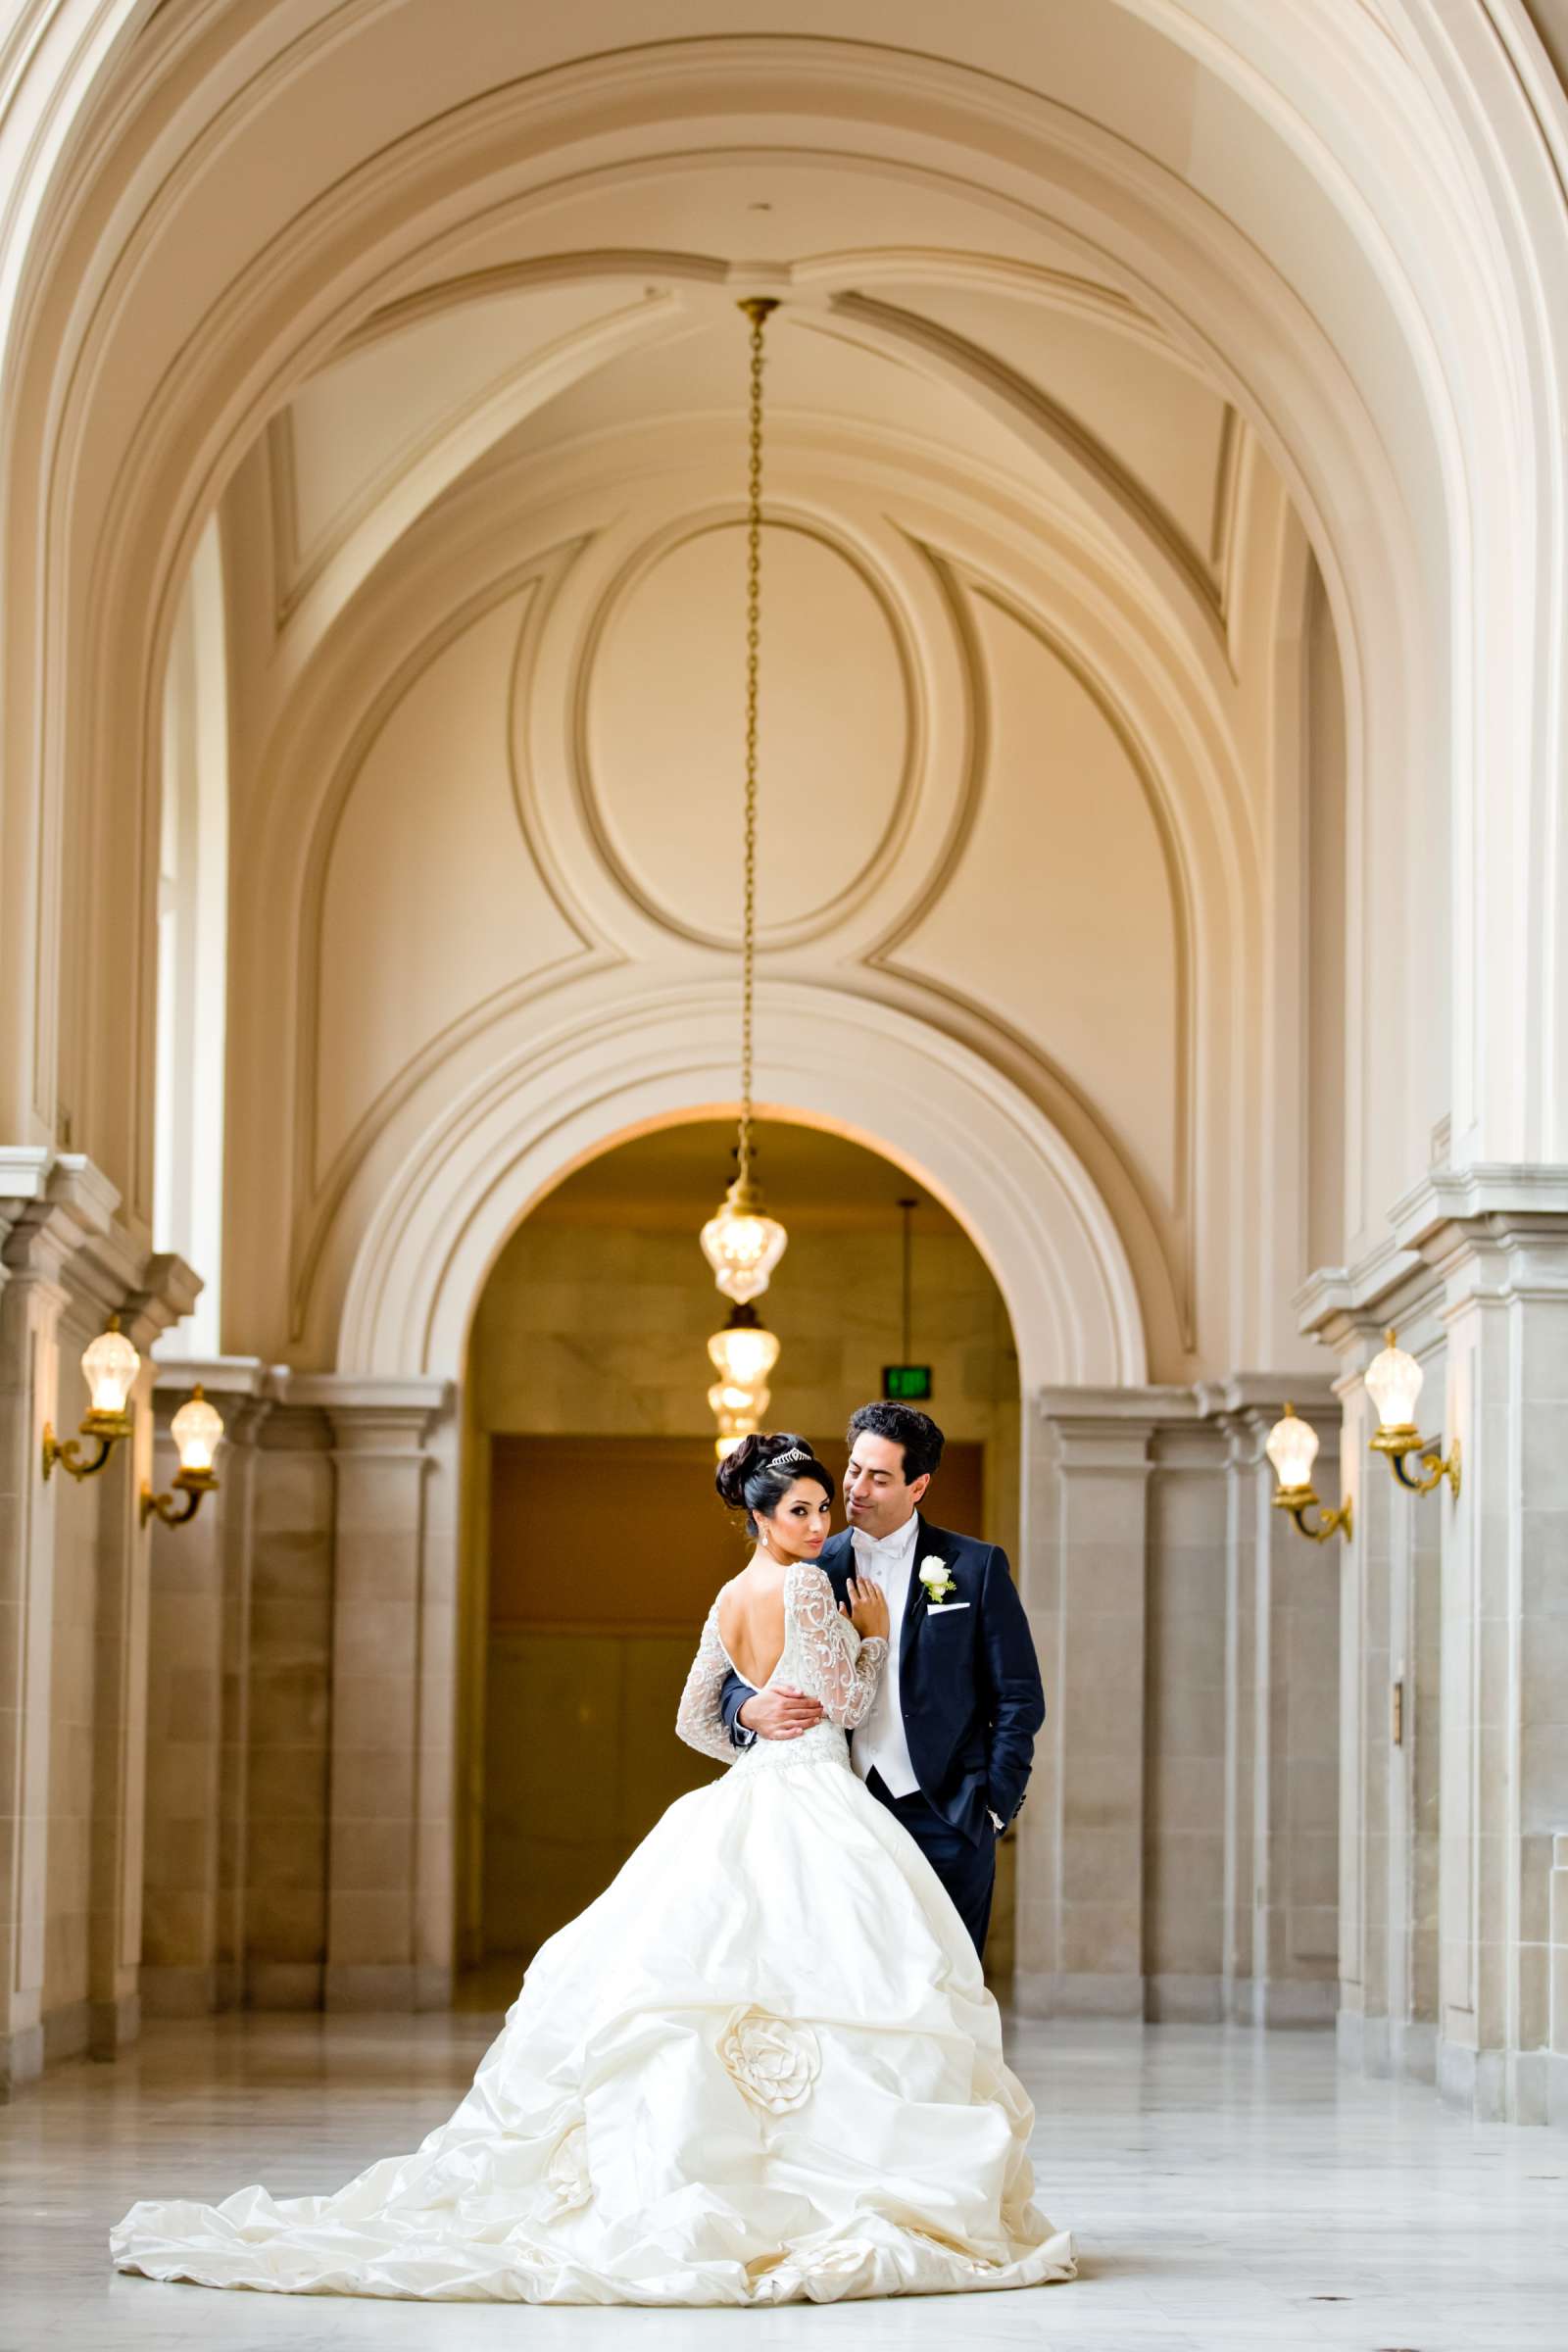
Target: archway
823, 1057
594, 1540
878, 1079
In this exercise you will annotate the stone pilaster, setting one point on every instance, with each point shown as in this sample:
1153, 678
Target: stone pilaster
1081, 1834
1190, 1638
1497, 1239
45, 1216
1282, 1717
198, 1705
1388, 1692
120, 1674
1185, 1724
287, 1725
437, 1840
1557, 1933
380, 1768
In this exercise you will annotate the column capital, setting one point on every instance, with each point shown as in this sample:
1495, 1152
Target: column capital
59, 1222
1262, 1397
1497, 1230
168, 1291
1518, 1195
368, 1415
1113, 1428
239, 1385
51, 1206
1245, 1406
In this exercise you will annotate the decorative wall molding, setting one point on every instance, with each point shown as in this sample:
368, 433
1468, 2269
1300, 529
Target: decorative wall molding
928, 1104
385, 644
1182, 1014
844, 893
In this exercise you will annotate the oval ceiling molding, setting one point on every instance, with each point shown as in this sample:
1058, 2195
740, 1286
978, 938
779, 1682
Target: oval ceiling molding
661, 719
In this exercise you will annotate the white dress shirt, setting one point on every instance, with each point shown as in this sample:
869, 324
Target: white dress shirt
880, 1740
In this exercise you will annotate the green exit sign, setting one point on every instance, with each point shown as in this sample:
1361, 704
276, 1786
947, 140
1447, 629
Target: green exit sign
907, 1384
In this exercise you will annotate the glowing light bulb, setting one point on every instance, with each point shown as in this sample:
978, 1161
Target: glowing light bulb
1394, 1381
111, 1365
196, 1429
1292, 1448
743, 1243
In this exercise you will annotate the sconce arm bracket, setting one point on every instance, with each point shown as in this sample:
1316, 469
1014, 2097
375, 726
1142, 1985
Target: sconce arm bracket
66, 1454
1429, 1453
189, 1486
1299, 1500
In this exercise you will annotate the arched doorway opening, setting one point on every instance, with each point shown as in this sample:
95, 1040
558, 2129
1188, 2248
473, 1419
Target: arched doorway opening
594, 1539
634, 1061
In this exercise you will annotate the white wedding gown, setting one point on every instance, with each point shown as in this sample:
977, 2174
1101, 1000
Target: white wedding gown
761, 2067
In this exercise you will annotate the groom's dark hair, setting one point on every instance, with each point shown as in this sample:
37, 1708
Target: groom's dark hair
901, 1425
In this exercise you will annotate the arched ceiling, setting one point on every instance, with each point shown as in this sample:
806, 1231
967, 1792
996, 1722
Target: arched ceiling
1033, 380
360, 270
945, 362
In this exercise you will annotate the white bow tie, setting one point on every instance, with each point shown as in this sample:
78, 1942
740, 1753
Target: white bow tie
882, 1547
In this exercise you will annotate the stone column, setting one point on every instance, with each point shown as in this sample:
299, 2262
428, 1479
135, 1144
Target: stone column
197, 1704
379, 1695
1186, 1724
45, 1216
1498, 1240
246, 1412
436, 1792
1557, 1933
288, 1722
1389, 1699
119, 1676
1180, 1845
1081, 1834
1282, 1716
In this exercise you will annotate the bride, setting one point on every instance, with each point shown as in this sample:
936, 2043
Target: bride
761, 2067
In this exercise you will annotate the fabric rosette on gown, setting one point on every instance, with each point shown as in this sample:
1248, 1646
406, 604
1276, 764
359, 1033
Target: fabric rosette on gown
763, 2066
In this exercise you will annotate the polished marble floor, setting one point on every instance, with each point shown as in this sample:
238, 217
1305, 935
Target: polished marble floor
1226, 2192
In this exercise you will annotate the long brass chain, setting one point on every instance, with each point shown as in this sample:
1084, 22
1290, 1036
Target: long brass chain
758, 312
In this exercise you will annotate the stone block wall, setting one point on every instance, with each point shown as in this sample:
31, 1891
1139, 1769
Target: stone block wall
1457, 1605
1178, 1849
289, 1674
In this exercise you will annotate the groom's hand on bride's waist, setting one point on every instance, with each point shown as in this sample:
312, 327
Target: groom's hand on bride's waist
780, 1712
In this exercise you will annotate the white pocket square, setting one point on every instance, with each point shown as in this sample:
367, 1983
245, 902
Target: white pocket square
945, 1608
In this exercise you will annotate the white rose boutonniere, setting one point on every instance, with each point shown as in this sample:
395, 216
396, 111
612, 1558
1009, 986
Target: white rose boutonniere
935, 1578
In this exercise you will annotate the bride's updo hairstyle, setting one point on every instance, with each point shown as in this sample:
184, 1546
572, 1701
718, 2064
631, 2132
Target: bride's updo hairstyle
760, 1471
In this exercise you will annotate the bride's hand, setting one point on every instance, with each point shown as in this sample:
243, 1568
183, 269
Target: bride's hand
868, 1610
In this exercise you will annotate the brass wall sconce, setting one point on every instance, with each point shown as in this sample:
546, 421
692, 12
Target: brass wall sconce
110, 1365
1292, 1448
1394, 1381
195, 1429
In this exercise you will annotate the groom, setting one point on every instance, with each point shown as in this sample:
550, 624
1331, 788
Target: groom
947, 1742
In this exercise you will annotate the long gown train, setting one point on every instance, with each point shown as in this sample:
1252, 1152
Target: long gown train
763, 2066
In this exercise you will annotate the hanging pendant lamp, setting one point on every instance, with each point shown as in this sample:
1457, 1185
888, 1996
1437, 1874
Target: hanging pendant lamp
741, 1242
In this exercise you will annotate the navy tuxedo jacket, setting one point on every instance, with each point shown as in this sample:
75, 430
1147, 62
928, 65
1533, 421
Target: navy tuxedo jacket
968, 1681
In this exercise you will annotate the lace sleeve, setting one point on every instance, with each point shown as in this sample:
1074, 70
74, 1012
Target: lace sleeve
698, 1720
846, 1669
